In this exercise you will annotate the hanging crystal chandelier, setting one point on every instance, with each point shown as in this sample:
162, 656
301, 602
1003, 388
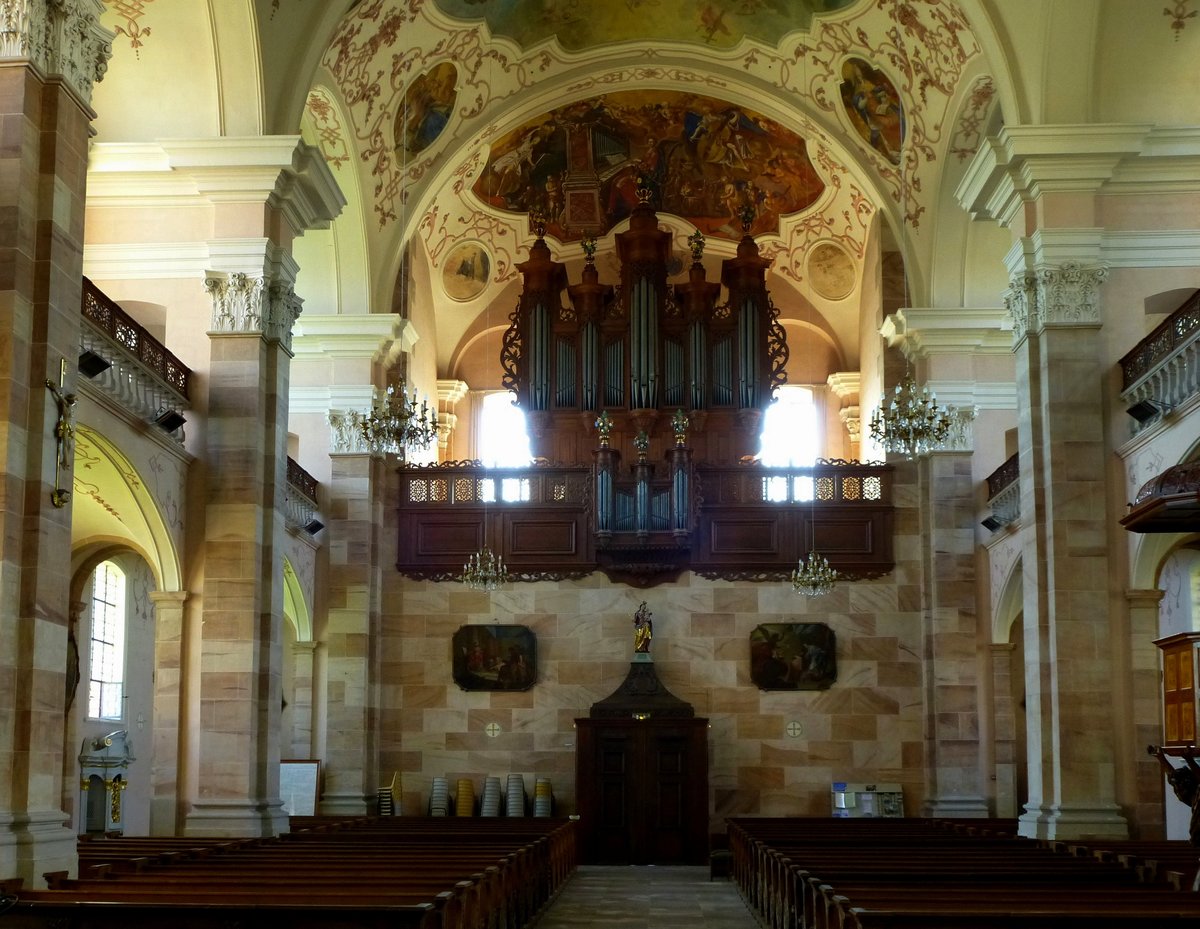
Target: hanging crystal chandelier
397, 424
813, 576
911, 422
484, 570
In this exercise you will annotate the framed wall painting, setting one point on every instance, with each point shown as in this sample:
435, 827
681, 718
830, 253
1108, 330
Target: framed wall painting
793, 656
495, 657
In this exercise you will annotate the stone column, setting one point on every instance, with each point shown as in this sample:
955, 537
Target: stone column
1068, 658
50, 56
1004, 730
168, 695
1145, 703
951, 665
241, 664
351, 634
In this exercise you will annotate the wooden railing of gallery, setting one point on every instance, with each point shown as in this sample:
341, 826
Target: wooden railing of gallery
645, 524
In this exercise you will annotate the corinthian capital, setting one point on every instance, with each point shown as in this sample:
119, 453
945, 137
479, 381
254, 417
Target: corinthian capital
1065, 295
62, 37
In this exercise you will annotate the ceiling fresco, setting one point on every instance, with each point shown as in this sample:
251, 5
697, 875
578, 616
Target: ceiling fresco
581, 24
703, 159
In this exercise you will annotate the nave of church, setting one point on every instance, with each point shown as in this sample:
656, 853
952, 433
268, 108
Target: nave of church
276, 271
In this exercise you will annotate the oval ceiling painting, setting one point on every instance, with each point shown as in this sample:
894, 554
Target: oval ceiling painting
579, 24
873, 106
703, 159
465, 272
428, 103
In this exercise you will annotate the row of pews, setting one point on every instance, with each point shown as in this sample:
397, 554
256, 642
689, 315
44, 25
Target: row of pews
937, 874
370, 872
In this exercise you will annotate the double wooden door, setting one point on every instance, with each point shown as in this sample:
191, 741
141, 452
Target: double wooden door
642, 790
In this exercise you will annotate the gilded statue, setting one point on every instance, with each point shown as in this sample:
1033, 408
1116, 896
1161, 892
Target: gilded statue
643, 629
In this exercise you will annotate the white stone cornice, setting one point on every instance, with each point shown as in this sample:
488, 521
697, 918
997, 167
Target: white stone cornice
845, 384
143, 261
1165, 248
282, 171
1024, 162
920, 332
449, 392
983, 395
368, 336
63, 37
322, 399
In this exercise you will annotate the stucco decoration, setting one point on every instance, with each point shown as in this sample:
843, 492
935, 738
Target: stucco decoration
925, 47
702, 159
330, 136
132, 11
1065, 295
1180, 12
973, 119
244, 303
579, 25
61, 37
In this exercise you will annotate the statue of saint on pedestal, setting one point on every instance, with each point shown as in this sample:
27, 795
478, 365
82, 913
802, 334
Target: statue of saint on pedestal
643, 629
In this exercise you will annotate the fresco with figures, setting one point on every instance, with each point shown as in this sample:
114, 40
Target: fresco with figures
873, 106
701, 158
579, 24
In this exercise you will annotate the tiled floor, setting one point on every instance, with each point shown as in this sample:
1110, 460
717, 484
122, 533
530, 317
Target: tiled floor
647, 898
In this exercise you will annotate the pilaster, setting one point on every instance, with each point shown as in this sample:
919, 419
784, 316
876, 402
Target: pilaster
1005, 756
165, 808
1068, 660
1145, 706
49, 56
951, 665
351, 637
303, 660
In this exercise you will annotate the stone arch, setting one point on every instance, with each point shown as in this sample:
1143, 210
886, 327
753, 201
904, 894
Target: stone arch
295, 606
113, 507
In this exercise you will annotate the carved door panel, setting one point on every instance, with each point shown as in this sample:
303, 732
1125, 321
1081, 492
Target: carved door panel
642, 789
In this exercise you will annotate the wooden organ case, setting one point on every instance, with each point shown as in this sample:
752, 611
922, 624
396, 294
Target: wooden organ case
644, 402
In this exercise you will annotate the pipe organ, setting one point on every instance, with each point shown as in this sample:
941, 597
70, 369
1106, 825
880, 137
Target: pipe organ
644, 349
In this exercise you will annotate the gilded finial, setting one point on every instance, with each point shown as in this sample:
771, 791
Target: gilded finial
747, 216
679, 423
537, 219
604, 426
644, 190
589, 249
642, 444
696, 242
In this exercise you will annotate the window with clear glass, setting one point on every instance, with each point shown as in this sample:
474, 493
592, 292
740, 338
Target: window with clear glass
790, 439
503, 441
106, 687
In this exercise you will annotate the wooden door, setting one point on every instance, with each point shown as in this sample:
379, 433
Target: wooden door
642, 789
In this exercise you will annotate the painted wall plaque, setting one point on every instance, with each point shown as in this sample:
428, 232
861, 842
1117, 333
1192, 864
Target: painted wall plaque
793, 656
466, 270
494, 657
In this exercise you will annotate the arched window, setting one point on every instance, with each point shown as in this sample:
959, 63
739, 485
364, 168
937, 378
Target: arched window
790, 438
503, 440
106, 686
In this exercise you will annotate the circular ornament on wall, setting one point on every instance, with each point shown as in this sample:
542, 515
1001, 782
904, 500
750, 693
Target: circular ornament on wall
466, 271
831, 271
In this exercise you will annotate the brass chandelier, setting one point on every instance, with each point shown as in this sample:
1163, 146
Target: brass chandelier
813, 576
911, 422
397, 424
484, 570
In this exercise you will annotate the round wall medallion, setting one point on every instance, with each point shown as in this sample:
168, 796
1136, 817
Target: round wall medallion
831, 271
466, 271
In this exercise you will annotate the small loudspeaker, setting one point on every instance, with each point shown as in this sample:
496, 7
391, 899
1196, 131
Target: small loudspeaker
313, 526
991, 524
1144, 410
170, 420
93, 365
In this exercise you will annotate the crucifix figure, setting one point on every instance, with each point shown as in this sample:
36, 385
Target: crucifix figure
64, 432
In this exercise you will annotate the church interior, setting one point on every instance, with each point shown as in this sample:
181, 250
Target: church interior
413, 386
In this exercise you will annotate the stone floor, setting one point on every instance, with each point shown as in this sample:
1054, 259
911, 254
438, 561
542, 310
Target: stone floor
652, 897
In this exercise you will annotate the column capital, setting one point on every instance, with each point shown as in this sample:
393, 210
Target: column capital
64, 38
1066, 295
1145, 597
245, 304
345, 433
178, 597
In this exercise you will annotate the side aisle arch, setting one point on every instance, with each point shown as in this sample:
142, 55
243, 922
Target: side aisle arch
113, 503
295, 607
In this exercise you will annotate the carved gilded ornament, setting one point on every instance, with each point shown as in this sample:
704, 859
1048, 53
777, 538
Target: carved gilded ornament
60, 37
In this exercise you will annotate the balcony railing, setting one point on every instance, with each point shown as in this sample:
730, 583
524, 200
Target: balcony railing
120, 358
1004, 494
300, 500
1163, 369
